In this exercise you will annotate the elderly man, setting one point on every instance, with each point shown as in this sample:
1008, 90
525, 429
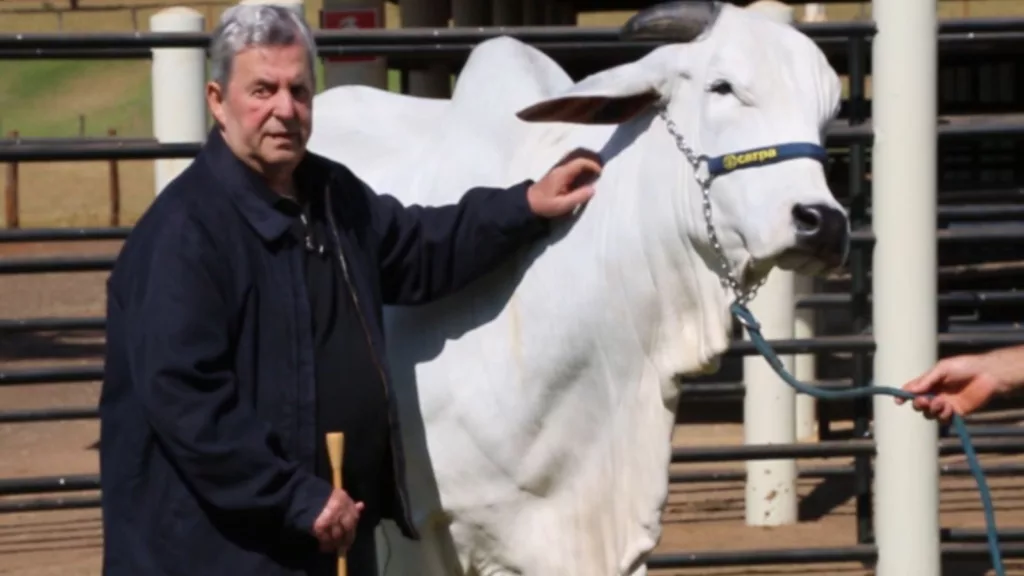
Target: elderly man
244, 322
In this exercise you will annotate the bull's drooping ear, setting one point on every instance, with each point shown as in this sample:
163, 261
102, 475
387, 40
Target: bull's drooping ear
611, 96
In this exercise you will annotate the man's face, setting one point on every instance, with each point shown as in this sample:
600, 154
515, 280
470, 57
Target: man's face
265, 109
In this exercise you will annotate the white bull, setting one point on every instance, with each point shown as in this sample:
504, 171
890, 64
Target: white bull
538, 404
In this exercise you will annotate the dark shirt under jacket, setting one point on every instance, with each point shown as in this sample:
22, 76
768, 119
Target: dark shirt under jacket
349, 394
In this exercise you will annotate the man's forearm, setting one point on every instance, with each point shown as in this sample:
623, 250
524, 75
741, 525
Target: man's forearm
429, 252
1007, 366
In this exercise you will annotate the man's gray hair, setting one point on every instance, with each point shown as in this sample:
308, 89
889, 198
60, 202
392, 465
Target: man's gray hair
245, 25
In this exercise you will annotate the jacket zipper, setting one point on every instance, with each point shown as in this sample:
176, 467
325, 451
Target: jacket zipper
399, 482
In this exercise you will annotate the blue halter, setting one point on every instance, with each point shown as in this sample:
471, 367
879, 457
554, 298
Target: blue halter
756, 157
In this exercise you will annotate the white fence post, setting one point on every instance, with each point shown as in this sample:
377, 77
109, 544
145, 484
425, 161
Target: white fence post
768, 410
815, 13
769, 404
179, 101
804, 367
904, 198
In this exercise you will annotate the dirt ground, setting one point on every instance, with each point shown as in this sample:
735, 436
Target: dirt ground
699, 517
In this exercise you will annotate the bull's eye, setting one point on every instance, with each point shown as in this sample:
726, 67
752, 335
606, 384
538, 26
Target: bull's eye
720, 87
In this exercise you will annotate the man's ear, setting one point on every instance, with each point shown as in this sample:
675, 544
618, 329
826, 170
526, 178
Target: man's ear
611, 96
215, 102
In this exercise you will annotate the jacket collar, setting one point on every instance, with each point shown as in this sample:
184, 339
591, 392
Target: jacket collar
249, 191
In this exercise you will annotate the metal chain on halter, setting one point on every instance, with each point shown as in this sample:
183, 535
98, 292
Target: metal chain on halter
725, 274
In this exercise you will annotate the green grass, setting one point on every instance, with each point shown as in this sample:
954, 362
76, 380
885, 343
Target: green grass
47, 98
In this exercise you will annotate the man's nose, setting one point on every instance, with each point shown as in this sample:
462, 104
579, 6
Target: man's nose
822, 231
284, 104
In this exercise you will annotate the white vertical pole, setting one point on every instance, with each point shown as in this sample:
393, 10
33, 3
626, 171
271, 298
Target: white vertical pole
815, 13
769, 404
904, 78
804, 368
178, 80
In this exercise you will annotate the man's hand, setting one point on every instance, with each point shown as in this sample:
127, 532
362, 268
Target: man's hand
335, 527
961, 384
566, 186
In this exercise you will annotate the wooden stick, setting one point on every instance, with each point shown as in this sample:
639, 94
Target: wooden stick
336, 452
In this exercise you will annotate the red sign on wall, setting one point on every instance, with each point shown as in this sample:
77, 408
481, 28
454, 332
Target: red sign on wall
348, 19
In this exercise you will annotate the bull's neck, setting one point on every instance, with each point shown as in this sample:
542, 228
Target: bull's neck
649, 182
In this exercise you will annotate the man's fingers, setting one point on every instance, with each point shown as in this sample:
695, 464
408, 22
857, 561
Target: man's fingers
578, 165
349, 521
578, 196
926, 381
337, 533
937, 407
330, 537
580, 154
581, 172
946, 414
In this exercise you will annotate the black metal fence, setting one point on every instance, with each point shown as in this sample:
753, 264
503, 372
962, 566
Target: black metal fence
980, 189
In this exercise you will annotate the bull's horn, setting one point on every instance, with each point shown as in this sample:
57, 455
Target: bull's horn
680, 21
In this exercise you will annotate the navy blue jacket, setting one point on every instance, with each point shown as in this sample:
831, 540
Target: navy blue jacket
207, 436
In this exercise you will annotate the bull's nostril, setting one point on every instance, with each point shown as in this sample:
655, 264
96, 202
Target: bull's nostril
807, 219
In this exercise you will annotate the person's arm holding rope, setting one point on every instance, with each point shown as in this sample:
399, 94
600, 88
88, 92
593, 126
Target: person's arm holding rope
965, 384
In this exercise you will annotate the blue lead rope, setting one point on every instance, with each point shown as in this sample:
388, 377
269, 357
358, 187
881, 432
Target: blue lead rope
754, 329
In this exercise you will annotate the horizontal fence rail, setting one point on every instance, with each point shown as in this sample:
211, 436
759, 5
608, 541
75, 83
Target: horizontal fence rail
383, 38
353, 38
51, 375
845, 343
959, 212
857, 553
39, 485
54, 264
824, 472
680, 455
63, 234
46, 504
973, 299
613, 51
838, 134
701, 390
48, 415
826, 449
